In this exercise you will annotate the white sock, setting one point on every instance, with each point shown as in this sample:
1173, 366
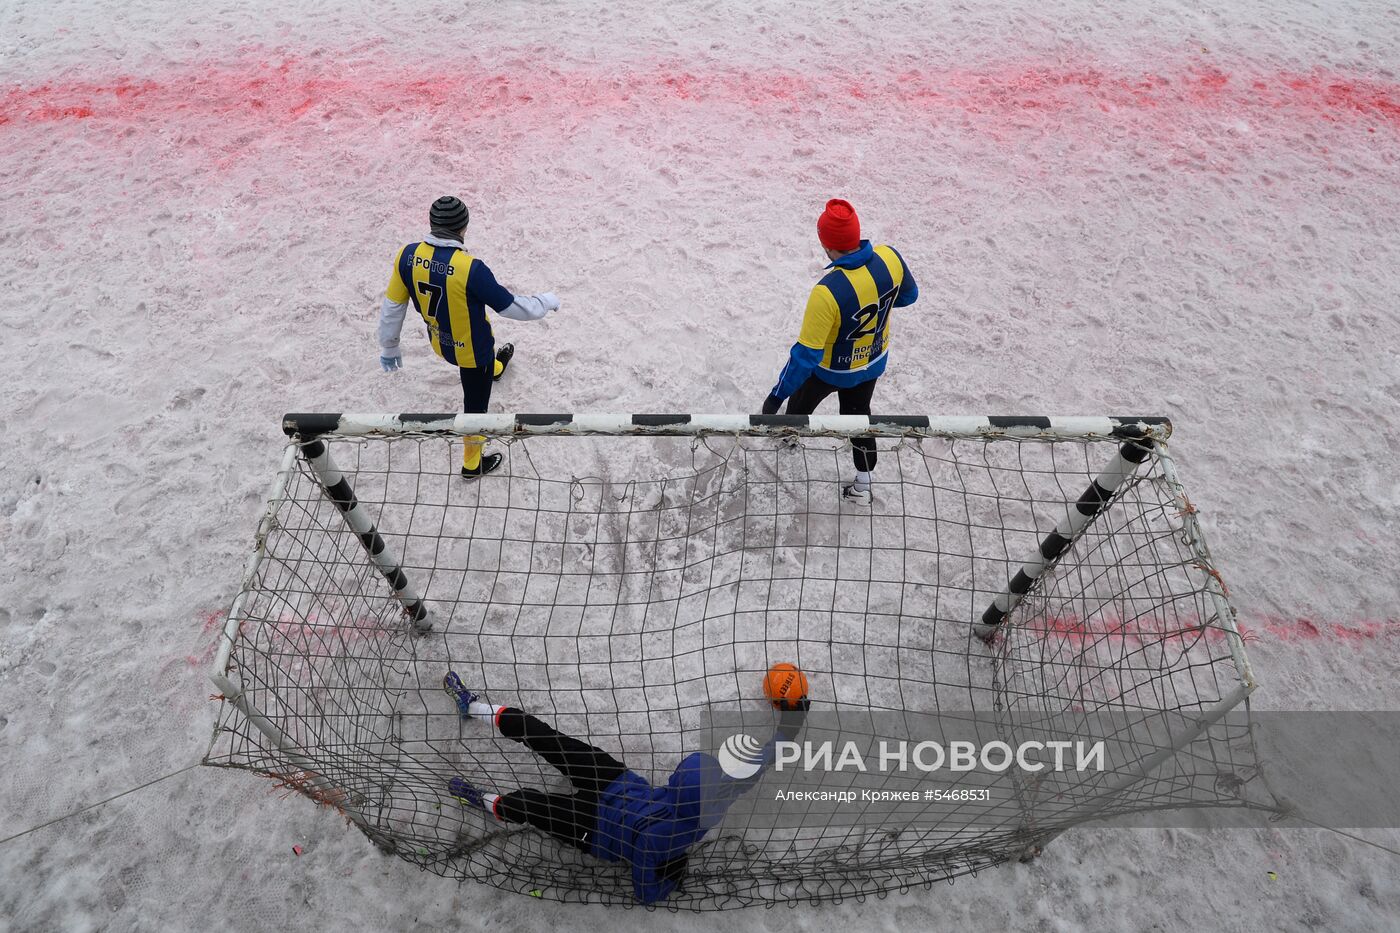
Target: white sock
483, 710
862, 479
490, 801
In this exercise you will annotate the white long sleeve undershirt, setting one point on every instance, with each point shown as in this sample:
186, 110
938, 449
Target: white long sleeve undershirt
526, 308
392, 313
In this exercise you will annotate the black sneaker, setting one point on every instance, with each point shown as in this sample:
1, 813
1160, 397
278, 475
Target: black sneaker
489, 464
503, 356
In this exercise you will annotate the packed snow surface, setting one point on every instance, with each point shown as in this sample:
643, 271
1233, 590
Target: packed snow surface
1172, 208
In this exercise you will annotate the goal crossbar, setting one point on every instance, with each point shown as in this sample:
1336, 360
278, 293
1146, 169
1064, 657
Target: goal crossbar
310, 425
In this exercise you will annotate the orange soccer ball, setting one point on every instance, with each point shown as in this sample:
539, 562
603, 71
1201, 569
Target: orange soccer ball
784, 682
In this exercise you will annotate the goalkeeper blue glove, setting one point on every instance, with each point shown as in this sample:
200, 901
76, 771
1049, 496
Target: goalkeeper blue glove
391, 363
771, 404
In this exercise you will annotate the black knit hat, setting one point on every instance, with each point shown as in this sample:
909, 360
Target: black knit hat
448, 213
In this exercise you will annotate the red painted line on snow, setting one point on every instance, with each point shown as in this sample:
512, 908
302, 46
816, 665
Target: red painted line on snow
1310, 630
328, 637
211, 623
253, 91
317, 635
1147, 629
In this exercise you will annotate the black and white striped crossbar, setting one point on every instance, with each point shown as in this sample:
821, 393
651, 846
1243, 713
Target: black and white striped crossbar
1077, 517
308, 426
339, 491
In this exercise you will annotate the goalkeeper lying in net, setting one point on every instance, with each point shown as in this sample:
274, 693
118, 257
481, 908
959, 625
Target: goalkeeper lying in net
614, 813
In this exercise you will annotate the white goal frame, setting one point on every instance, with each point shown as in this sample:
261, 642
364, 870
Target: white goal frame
1135, 437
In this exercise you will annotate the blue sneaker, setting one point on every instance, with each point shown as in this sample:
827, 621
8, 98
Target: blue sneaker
459, 693
466, 793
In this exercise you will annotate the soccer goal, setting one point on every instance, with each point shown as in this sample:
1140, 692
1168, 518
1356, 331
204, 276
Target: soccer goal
625, 576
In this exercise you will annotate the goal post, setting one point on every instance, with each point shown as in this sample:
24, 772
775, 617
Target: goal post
626, 576
338, 489
1076, 518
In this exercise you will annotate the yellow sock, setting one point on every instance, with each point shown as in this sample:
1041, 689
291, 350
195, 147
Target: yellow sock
471, 452
500, 368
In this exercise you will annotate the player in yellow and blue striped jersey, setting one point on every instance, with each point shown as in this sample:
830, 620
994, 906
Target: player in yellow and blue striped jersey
844, 343
451, 290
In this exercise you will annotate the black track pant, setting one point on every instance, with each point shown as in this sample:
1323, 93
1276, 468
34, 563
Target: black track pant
571, 818
854, 401
476, 387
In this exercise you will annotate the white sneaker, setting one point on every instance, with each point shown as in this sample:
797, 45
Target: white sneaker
855, 495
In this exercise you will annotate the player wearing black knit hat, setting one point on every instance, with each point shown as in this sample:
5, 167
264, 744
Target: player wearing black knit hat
451, 289
448, 215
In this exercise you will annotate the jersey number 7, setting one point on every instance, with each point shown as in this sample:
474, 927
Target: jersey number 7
434, 295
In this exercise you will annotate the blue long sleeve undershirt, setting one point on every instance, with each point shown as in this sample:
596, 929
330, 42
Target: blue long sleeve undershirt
804, 360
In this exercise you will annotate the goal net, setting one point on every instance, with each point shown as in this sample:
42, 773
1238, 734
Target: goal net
626, 576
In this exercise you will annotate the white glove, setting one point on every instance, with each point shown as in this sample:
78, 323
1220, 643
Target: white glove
549, 300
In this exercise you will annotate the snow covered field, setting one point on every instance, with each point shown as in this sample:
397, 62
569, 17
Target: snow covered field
1176, 208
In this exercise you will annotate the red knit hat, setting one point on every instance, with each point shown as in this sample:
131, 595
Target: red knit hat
838, 227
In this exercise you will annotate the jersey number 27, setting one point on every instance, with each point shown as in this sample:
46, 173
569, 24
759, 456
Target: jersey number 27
871, 318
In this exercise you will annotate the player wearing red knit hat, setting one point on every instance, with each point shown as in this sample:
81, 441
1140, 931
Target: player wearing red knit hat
838, 227
845, 339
